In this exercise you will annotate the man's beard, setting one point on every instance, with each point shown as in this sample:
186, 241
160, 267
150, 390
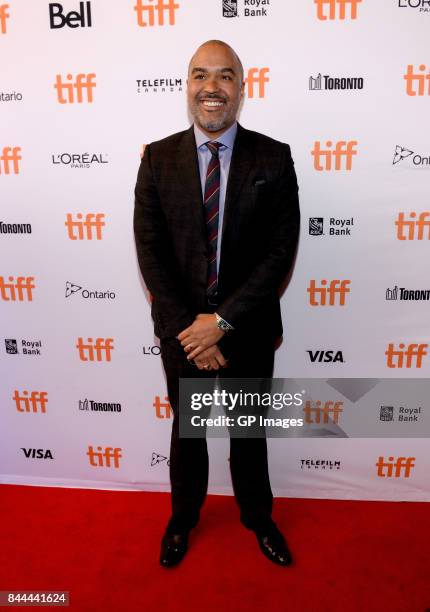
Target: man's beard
211, 125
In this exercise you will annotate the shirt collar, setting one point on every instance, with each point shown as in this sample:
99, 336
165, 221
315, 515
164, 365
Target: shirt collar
226, 139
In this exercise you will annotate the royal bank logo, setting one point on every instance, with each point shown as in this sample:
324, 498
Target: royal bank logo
402, 414
157, 459
421, 6
407, 295
414, 159
324, 82
336, 226
29, 348
93, 406
320, 464
80, 160
159, 85
72, 289
246, 8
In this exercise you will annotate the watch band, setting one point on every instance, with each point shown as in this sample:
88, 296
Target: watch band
222, 324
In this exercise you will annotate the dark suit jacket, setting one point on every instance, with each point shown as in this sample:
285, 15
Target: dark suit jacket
260, 231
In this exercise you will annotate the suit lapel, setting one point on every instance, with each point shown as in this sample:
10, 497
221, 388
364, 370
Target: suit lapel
189, 178
242, 161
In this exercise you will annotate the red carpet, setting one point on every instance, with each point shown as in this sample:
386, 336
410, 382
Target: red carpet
103, 546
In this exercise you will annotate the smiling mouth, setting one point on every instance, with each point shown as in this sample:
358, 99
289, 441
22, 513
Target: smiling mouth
212, 104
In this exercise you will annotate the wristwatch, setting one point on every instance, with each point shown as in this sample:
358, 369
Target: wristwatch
222, 324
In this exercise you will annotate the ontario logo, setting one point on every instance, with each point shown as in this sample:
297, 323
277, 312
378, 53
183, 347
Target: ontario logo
415, 159
72, 289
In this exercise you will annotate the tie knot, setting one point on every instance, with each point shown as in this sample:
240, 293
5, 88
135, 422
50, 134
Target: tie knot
214, 147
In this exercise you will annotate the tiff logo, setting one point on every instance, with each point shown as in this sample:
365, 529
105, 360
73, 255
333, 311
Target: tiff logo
416, 82
329, 413
340, 5
413, 229
83, 82
409, 357
83, 230
256, 76
17, 290
10, 156
3, 16
163, 410
100, 351
402, 466
336, 289
152, 13
323, 158
35, 403
107, 457
73, 19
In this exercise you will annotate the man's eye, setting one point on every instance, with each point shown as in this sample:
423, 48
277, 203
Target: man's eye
199, 76
226, 77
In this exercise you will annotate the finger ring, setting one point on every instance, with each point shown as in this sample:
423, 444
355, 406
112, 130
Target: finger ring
207, 366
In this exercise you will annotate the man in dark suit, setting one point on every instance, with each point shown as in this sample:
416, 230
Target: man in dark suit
216, 225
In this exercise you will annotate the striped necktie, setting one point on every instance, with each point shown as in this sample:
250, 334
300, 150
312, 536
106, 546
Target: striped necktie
211, 202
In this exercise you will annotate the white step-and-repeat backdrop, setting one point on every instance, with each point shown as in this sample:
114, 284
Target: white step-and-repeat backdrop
83, 86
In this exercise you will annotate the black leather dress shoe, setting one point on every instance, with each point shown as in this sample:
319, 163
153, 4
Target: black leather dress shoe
173, 549
274, 547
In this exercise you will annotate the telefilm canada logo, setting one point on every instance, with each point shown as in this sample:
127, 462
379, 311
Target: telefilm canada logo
93, 406
407, 295
407, 157
336, 226
320, 464
80, 160
72, 289
325, 82
159, 85
245, 8
421, 6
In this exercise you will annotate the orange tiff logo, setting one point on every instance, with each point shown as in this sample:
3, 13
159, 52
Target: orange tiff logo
83, 230
152, 13
104, 457
3, 16
100, 350
163, 410
413, 228
83, 83
336, 9
9, 160
256, 78
35, 403
329, 412
17, 290
406, 357
343, 150
335, 291
416, 81
402, 466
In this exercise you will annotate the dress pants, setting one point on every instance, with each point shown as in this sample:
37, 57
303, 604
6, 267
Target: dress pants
249, 356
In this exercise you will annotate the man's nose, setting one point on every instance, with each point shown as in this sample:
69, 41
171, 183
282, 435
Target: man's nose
212, 85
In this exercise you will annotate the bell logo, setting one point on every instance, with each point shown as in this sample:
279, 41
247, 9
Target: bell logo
416, 81
104, 457
329, 413
17, 290
3, 16
256, 76
83, 82
9, 160
401, 467
57, 19
413, 229
332, 5
337, 288
343, 150
406, 357
83, 230
35, 403
150, 9
163, 410
95, 352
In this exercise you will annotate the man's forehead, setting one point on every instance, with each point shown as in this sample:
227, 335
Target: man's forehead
215, 57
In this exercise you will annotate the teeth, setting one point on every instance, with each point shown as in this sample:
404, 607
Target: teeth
212, 103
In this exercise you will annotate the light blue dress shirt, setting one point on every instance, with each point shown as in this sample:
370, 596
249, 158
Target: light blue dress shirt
204, 155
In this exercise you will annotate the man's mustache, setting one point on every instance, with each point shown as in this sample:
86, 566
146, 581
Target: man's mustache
212, 97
